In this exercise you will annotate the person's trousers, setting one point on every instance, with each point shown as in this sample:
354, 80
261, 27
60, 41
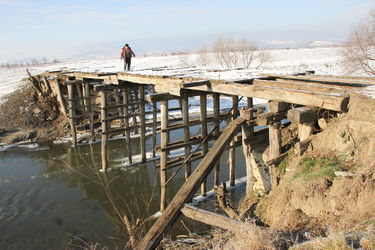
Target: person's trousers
127, 63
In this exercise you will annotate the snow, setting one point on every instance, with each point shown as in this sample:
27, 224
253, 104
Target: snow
325, 61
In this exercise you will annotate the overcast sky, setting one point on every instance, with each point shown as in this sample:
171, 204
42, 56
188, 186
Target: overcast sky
36, 28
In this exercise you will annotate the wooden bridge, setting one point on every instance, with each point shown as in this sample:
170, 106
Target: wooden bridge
121, 103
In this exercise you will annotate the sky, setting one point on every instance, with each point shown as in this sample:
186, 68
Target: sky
54, 28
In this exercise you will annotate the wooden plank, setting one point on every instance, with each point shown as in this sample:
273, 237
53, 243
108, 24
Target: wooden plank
304, 86
188, 189
212, 219
198, 122
330, 80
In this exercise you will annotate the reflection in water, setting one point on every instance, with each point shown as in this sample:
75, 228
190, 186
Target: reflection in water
47, 196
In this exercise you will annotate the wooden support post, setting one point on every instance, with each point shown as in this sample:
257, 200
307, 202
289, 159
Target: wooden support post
142, 119
188, 189
250, 104
89, 109
274, 149
154, 124
257, 176
79, 95
104, 102
185, 121
72, 114
232, 151
164, 139
60, 97
204, 134
125, 100
134, 107
246, 135
216, 106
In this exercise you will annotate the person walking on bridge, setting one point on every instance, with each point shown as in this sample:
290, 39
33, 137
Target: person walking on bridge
127, 54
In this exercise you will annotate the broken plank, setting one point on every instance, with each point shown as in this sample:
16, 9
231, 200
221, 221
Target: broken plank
212, 219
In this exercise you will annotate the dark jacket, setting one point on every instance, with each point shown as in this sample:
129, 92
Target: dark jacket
127, 52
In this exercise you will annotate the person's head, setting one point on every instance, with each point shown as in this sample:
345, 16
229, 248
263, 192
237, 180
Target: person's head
126, 45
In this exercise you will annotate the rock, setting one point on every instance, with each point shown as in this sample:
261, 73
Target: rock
2, 131
31, 135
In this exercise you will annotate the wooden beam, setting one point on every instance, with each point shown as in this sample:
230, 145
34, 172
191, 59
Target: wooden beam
160, 97
188, 189
194, 84
212, 219
322, 100
296, 85
269, 117
302, 115
275, 107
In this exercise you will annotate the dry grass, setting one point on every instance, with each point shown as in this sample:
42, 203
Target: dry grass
256, 238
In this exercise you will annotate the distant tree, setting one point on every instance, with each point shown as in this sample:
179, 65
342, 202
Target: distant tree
359, 49
232, 54
203, 56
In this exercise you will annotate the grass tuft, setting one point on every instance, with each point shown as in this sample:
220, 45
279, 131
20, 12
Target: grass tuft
312, 169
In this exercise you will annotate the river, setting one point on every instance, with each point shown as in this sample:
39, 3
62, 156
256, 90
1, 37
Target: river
51, 197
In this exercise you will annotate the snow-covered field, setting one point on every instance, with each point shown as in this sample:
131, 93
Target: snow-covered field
325, 61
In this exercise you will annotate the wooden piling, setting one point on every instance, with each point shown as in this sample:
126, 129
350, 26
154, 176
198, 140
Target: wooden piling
154, 124
203, 119
216, 107
185, 121
232, 150
104, 102
274, 149
89, 109
125, 101
134, 107
60, 97
72, 114
142, 119
164, 139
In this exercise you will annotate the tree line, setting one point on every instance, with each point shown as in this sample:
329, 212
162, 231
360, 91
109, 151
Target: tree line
31, 62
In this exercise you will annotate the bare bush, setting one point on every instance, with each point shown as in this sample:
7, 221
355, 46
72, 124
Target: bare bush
232, 54
203, 56
359, 49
